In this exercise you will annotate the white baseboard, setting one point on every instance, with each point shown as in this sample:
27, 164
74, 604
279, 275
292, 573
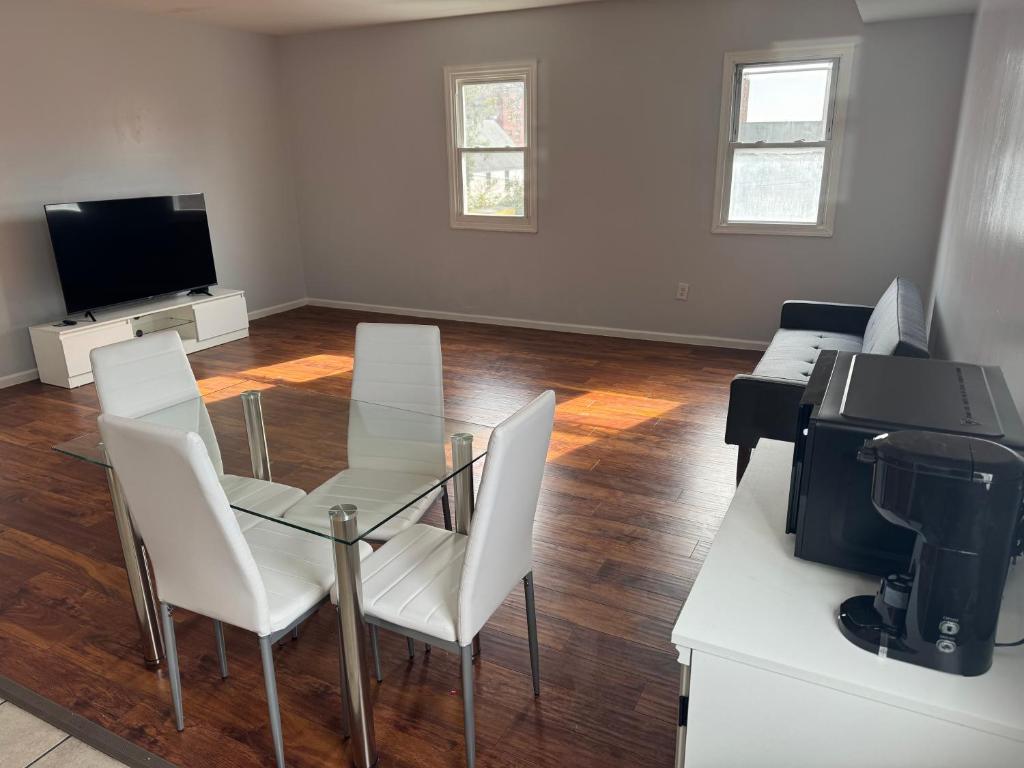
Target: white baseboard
21, 377
256, 314
543, 325
18, 378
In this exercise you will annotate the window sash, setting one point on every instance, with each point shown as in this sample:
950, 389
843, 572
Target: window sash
840, 56
822, 189
527, 182
460, 122
457, 78
737, 92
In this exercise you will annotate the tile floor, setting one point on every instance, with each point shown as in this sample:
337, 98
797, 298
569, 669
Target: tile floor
25, 741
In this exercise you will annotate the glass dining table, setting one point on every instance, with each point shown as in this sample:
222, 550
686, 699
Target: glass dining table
364, 469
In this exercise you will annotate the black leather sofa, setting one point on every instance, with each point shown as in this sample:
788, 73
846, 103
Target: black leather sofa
765, 403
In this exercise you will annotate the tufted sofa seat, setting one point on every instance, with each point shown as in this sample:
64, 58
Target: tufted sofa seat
792, 353
764, 403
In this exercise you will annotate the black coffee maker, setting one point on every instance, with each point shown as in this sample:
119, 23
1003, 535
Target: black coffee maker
962, 496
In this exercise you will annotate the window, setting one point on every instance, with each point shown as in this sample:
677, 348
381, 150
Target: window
780, 140
492, 169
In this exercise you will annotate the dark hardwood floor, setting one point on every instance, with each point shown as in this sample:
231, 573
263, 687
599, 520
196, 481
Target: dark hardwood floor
638, 478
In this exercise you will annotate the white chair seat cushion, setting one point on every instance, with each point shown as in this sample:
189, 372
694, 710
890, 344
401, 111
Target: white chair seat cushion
376, 494
413, 581
263, 496
297, 569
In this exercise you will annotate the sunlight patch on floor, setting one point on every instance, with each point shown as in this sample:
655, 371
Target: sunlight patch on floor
230, 388
302, 370
578, 418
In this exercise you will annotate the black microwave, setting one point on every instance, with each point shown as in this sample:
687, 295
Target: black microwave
852, 397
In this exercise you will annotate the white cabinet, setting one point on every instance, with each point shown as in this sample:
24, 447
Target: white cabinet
76, 346
216, 318
770, 681
62, 351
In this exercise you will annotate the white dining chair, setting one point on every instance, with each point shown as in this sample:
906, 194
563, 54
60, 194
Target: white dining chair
266, 579
152, 373
440, 586
396, 450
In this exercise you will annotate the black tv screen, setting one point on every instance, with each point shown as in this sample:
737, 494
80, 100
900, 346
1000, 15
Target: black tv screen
113, 251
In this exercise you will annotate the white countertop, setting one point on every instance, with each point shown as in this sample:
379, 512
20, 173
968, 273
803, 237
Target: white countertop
754, 602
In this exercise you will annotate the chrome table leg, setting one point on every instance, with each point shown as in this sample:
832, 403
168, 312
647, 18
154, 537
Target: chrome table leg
462, 456
140, 583
352, 628
252, 408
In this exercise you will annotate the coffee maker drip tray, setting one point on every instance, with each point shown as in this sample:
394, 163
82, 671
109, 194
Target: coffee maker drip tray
862, 625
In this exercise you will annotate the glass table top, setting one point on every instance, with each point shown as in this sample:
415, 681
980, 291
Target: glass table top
323, 451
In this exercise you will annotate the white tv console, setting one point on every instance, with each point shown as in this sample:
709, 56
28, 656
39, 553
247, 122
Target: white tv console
62, 351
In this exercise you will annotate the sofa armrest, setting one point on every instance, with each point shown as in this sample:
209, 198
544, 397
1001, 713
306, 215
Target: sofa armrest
824, 316
761, 407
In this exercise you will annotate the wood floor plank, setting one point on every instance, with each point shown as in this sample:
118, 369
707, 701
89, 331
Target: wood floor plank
638, 480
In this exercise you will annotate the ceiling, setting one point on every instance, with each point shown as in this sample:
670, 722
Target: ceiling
279, 17
885, 10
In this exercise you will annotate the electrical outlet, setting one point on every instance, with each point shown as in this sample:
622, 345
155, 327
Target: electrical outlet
683, 291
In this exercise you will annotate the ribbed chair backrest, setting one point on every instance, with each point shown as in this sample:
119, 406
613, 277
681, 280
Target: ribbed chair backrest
400, 366
397, 366
201, 560
151, 373
500, 549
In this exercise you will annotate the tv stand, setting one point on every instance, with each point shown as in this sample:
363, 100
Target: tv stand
216, 316
204, 291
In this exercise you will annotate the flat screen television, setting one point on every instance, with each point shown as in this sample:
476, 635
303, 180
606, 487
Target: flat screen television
115, 251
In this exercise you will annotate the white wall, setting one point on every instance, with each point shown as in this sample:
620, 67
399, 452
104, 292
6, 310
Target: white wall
97, 104
628, 110
978, 312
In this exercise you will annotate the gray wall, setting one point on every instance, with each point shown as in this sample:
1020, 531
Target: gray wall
628, 108
978, 312
97, 104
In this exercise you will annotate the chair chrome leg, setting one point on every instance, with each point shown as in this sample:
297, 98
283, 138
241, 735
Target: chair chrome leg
531, 626
467, 705
222, 650
411, 645
375, 645
273, 706
173, 672
446, 509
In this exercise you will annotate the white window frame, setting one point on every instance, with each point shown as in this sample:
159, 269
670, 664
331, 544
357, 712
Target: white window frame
455, 77
842, 53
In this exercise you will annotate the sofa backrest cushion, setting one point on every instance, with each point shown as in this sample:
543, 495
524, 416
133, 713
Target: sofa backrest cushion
897, 326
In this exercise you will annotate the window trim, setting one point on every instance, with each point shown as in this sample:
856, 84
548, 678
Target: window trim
843, 53
455, 76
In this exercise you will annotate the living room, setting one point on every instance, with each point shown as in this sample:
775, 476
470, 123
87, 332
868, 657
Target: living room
664, 212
